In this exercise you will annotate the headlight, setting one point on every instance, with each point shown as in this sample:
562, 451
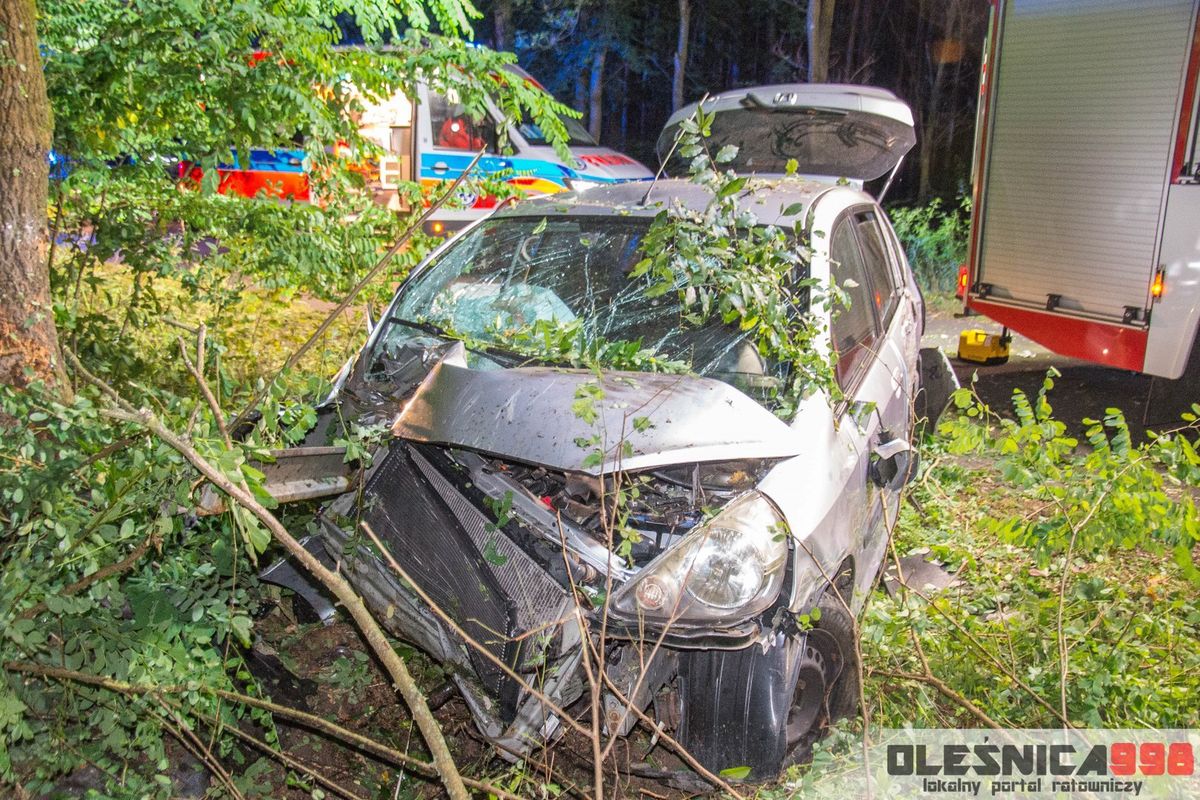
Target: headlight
726, 570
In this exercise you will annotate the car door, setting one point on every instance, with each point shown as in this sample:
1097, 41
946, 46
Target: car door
895, 310
450, 136
873, 414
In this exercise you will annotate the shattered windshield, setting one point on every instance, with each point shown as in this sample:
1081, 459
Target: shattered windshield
549, 288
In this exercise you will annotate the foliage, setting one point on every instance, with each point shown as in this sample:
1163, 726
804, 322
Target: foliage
79, 496
141, 91
1077, 544
1110, 495
935, 239
101, 570
724, 264
569, 343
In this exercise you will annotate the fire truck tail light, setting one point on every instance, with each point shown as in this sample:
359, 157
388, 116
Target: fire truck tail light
1156, 288
961, 291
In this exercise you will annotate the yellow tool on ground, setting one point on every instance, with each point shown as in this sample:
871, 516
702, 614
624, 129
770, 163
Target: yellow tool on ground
981, 347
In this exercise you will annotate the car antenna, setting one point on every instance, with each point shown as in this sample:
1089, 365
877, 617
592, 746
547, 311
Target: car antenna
663, 165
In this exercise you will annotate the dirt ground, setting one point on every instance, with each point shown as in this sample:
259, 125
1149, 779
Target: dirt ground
323, 670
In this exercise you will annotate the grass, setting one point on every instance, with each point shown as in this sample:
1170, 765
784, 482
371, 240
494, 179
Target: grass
255, 329
1130, 624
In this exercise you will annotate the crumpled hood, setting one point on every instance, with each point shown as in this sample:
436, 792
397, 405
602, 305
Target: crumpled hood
526, 414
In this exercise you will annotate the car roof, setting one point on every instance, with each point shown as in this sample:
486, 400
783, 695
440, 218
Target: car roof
766, 198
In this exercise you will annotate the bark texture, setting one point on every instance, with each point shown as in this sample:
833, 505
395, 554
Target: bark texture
28, 340
502, 24
819, 24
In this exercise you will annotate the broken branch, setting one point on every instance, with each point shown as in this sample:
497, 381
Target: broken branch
337, 585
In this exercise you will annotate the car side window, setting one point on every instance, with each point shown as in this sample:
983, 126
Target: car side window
454, 129
877, 259
853, 328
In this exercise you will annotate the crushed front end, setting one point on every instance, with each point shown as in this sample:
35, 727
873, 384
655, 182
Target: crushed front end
520, 558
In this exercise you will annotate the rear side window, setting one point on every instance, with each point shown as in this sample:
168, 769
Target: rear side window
853, 327
878, 265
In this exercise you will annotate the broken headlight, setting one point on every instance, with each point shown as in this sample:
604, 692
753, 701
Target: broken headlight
727, 569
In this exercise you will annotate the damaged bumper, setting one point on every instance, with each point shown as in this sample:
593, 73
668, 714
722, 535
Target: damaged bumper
506, 586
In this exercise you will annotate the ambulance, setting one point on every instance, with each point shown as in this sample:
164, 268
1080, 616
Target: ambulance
431, 138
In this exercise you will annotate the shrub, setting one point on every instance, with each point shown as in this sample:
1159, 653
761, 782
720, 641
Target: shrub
935, 239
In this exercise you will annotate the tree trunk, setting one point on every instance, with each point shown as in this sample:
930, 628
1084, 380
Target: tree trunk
502, 12
932, 127
28, 339
596, 95
681, 53
580, 93
819, 25
851, 42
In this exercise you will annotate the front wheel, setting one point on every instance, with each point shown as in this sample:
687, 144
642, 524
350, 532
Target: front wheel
762, 708
826, 686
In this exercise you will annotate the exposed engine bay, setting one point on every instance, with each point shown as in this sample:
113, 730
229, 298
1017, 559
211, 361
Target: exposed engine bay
500, 547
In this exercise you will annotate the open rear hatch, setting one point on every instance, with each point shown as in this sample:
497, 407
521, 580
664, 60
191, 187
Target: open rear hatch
833, 131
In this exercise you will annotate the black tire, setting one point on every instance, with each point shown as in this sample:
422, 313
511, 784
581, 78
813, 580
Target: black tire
764, 708
826, 688
836, 621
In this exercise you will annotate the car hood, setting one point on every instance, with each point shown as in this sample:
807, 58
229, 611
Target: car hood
541, 415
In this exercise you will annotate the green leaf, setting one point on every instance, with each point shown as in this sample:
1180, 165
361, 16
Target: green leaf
735, 773
241, 626
492, 555
731, 188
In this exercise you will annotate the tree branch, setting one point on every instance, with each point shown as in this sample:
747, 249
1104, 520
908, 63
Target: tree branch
102, 574
336, 584
370, 746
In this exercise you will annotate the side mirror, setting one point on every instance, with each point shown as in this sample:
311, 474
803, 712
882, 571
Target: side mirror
893, 462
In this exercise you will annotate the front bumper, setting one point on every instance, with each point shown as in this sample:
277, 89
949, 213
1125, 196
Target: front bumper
426, 509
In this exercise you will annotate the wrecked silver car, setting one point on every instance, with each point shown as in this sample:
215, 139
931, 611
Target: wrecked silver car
710, 553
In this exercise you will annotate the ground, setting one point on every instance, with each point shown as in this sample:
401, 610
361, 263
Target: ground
1085, 390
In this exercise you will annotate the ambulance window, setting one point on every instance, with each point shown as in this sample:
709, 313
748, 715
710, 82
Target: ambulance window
577, 135
853, 327
878, 264
454, 129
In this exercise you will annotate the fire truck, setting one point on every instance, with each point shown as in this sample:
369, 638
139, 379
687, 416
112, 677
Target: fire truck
1085, 234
